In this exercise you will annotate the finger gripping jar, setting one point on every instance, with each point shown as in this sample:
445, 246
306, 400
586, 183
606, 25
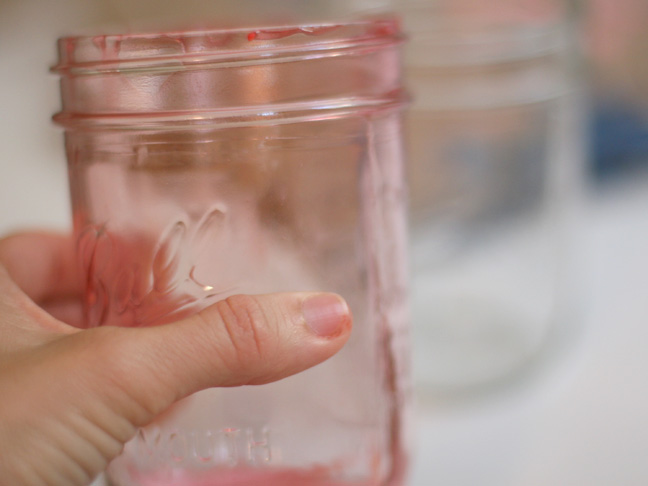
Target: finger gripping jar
212, 163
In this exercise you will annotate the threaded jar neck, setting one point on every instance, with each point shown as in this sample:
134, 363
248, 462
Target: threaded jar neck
229, 76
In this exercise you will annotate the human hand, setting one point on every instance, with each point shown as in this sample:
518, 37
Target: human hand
71, 398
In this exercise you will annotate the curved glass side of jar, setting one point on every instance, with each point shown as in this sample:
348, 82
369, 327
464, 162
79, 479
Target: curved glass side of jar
494, 141
291, 183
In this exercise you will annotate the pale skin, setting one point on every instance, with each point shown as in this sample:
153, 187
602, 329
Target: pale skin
70, 398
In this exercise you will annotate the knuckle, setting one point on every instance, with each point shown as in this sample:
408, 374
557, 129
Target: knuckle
247, 326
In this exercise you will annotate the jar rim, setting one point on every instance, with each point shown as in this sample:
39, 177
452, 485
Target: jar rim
174, 50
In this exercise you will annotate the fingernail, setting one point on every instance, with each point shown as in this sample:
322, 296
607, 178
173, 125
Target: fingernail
326, 314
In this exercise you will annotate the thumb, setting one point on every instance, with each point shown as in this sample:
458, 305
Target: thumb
242, 340
76, 397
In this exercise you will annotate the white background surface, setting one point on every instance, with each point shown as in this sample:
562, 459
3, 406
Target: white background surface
580, 420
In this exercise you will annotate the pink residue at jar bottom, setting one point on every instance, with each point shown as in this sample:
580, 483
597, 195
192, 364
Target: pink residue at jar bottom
246, 477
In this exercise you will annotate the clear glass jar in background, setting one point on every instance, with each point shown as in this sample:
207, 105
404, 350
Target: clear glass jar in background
206, 164
495, 146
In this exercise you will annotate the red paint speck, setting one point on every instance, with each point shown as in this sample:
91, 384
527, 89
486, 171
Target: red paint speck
252, 36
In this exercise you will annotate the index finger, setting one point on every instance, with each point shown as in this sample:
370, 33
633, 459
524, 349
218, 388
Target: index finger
42, 264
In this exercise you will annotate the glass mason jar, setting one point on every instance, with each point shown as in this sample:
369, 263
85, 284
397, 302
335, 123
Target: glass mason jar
206, 164
495, 144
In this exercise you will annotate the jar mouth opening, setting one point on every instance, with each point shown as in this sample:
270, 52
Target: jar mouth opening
449, 33
175, 50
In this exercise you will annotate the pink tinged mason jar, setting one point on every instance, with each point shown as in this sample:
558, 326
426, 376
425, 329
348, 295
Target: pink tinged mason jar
206, 164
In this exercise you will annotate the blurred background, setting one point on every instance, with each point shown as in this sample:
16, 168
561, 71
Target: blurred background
528, 159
